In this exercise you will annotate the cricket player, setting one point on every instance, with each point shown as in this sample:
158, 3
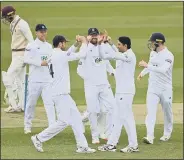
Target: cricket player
160, 68
97, 87
125, 91
102, 115
67, 111
21, 36
36, 56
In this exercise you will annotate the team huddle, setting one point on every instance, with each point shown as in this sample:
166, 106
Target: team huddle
49, 76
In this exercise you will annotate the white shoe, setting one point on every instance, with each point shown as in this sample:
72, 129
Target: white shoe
107, 147
147, 140
129, 149
103, 136
27, 130
165, 138
85, 150
95, 141
10, 109
37, 144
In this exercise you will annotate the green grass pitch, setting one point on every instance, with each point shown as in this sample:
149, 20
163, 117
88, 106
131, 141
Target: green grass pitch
134, 19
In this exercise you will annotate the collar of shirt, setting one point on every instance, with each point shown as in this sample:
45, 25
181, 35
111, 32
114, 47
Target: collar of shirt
39, 42
14, 21
163, 50
90, 45
128, 51
59, 50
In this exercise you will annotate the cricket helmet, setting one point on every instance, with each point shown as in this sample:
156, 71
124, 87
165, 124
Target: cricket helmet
157, 37
154, 40
7, 14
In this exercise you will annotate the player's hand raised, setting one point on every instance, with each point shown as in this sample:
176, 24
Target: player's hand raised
100, 38
89, 37
143, 64
81, 39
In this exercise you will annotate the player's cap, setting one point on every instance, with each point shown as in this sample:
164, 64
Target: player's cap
125, 40
157, 37
40, 27
7, 11
93, 31
57, 39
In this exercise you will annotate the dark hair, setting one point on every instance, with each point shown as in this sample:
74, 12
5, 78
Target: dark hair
57, 39
125, 40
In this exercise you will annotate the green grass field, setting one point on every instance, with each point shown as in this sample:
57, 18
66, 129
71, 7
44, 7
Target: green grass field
63, 146
134, 19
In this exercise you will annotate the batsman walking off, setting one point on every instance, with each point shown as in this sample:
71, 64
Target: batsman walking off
125, 91
67, 111
160, 68
21, 36
36, 55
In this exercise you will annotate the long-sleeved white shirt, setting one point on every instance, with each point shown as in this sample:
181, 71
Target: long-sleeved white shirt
81, 68
160, 68
35, 53
95, 67
61, 81
125, 68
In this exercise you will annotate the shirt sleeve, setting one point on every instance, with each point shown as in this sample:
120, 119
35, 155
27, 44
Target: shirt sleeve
144, 72
80, 68
107, 52
25, 29
71, 56
110, 69
114, 48
30, 56
72, 49
163, 68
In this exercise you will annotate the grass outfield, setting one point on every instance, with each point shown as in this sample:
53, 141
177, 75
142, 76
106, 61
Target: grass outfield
135, 19
15, 145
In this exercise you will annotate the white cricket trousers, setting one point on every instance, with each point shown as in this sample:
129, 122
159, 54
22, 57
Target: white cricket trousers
124, 117
35, 89
164, 97
68, 114
95, 97
16, 71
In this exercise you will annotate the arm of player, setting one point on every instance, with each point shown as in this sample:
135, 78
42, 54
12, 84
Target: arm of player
106, 52
71, 56
25, 29
31, 58
144, 72
164, 68
109, 53
74, 47
114, 48
110, 69
80, 68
